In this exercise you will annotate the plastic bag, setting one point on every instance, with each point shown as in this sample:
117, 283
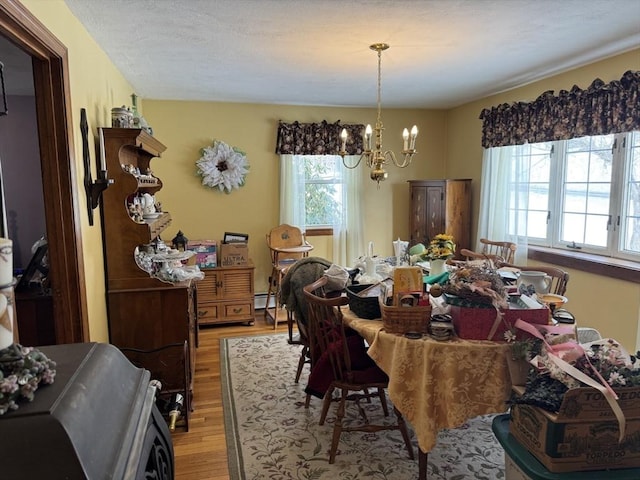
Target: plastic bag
337, 278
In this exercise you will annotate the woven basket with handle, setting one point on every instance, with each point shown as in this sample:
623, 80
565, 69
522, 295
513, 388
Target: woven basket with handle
405, 319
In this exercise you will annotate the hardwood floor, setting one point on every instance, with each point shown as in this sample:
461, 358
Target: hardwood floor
201, 453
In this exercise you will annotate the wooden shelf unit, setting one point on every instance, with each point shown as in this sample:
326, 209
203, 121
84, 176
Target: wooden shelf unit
226, 295
440, 206
144, 313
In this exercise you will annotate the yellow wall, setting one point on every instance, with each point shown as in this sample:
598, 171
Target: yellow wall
205, 213
95, 85
611, 306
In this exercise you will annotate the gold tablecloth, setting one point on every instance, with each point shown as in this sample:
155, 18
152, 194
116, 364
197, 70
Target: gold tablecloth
437, 385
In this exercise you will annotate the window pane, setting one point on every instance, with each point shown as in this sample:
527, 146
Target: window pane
322, 190
319, 167
599, 197
630, 237
575, 197
529, 190
322, 204
586, 190
596, 230
537, 224
572, 228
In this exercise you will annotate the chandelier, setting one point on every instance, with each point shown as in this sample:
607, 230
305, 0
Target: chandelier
375, 159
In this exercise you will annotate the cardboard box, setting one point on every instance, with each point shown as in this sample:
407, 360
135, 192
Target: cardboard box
583, 434
206, 252
475, 323
232, 254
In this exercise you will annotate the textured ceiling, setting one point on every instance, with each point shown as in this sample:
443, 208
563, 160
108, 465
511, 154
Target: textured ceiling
316, 52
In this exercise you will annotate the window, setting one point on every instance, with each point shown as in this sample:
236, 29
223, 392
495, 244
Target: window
323, 184
318, 191
581, 194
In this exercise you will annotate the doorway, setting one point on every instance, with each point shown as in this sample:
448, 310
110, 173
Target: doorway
59, 191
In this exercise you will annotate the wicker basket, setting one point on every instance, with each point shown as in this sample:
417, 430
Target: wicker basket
405, 319
363, 307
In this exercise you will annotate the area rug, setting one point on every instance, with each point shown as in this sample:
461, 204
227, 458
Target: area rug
270, 435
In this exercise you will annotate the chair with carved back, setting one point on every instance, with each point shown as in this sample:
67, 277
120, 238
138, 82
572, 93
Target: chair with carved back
559, 277
470, 255
506, 250
287, 245
342, 366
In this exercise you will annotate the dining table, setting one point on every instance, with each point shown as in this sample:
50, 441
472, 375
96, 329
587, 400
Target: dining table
437, 384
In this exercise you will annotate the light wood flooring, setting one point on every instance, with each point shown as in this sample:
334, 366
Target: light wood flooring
201, 453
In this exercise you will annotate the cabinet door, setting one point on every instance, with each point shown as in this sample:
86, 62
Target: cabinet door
237, 283
436, 214
209, 292
418, 221
209, 288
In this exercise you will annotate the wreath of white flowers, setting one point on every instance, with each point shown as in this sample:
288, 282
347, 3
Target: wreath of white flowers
222, 166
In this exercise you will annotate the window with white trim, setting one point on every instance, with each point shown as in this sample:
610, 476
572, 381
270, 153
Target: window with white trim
581, 194
323, 184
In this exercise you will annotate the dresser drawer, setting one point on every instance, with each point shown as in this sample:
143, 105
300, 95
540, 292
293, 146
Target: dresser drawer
207, 313
238, 310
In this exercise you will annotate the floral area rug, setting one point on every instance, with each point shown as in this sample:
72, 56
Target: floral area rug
270, 435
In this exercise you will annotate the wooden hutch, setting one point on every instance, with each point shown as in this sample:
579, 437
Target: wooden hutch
145, 313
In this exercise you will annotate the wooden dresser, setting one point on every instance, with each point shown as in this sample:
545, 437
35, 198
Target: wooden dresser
440, 206
226, 295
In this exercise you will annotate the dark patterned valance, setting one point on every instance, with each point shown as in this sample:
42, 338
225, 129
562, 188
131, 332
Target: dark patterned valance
599, 110
317, 138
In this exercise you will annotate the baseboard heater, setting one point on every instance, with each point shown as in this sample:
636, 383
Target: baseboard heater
260, 301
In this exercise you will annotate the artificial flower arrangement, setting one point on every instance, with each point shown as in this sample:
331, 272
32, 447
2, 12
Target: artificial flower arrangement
23, 370
559, 364
441, 247
223, 166
478, 282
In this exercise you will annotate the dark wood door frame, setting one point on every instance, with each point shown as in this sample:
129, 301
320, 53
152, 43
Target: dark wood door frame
53, 113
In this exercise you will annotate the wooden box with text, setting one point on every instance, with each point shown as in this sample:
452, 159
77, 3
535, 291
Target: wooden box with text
583, 434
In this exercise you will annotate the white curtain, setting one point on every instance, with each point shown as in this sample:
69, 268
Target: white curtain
347, 232
347, 235
496, 220
292, 191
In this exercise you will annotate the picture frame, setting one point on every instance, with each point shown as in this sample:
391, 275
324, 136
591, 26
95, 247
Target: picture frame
230, 237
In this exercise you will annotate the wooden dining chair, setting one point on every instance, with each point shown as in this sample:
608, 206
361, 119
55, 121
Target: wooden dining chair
559, 277
280, 239
470, 255
341, 361
506, 250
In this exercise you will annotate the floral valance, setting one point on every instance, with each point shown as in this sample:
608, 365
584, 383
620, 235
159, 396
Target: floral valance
317, 138
599, 110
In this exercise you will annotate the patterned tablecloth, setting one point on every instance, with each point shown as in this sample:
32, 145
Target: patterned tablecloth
437, 385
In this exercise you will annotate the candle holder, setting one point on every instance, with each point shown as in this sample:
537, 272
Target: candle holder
93, 188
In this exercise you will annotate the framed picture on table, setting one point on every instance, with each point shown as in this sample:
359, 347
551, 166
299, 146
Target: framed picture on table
230, 237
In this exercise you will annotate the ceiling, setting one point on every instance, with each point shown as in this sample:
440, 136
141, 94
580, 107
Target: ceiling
316, 52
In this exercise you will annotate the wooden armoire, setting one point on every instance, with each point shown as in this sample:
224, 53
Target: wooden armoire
440, 206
